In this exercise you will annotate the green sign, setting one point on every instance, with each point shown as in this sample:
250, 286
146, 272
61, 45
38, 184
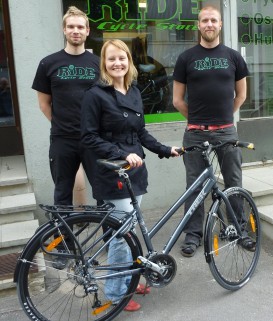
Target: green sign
110, 15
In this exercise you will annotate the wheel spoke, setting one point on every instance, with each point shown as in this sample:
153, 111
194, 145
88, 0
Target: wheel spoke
234, 254
76, 292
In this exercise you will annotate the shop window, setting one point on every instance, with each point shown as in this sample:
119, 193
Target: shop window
255, 37
10, 133
156, 31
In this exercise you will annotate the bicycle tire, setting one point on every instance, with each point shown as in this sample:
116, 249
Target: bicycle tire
230, 263
51, 294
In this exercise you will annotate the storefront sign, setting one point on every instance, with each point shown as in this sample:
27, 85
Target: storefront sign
117, 15
111, 26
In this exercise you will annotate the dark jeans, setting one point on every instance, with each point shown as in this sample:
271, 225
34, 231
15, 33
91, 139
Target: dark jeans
230, 161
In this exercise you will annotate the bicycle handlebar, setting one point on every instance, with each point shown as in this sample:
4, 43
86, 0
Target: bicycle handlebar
116, 165
246, 145
206, 146
161, 79
157, 81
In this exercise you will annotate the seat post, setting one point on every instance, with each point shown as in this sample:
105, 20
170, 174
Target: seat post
130, 188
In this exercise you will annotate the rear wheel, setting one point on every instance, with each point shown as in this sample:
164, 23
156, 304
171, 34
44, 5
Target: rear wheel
233, 258
76, 293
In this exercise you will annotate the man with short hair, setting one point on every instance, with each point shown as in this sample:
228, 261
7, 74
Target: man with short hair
214, 77
61, 80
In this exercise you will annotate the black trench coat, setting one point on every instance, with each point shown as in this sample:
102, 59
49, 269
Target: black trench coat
113, 127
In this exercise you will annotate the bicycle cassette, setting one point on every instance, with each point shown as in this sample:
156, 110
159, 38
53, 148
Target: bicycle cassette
168, 264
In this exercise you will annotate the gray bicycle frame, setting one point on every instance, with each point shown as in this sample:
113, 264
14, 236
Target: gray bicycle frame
209, 180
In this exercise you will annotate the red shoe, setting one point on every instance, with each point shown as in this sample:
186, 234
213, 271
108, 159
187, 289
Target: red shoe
132, 306
142, 289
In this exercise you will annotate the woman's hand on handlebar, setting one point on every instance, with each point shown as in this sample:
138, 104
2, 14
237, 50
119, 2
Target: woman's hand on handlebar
134, 160
174, 153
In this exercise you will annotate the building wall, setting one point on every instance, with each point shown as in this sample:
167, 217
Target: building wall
37, 32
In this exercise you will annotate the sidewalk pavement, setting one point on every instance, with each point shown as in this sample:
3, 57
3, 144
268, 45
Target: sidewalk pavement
193, 295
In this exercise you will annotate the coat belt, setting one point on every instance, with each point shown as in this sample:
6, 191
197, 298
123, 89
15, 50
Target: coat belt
130, 138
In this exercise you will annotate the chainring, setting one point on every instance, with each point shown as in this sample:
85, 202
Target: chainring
168, 264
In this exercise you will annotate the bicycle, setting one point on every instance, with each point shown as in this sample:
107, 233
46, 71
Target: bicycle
78, 291
156, 91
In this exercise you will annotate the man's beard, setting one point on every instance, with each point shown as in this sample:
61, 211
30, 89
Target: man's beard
210, 37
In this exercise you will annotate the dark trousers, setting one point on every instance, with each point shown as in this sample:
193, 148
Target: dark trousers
230, 161
65, 159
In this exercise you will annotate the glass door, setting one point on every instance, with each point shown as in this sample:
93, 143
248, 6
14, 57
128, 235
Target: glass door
10, 131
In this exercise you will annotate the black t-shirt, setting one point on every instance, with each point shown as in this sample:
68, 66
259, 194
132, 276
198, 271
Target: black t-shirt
210, 76
66, 77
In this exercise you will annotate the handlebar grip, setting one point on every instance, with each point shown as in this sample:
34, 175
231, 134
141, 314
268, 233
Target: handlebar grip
180, 151
245, 145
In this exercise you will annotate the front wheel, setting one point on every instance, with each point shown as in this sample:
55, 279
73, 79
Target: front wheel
78, 291
233, 258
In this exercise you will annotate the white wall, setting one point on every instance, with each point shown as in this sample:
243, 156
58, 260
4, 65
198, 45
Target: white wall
37, 32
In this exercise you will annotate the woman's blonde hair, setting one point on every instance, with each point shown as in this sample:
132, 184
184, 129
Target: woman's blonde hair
132, 71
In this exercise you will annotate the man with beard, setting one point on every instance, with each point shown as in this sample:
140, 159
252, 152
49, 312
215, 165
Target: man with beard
214, 77
61, 80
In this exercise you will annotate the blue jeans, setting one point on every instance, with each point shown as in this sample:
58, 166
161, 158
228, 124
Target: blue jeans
230, 161
119, 252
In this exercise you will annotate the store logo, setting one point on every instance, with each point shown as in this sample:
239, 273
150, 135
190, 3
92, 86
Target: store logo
72, 72
211, 63
127, 15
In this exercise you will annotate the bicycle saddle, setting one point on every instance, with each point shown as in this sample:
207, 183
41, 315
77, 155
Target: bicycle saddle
113, 164
146, 68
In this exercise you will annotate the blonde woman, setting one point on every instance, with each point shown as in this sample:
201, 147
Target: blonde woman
113, 127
